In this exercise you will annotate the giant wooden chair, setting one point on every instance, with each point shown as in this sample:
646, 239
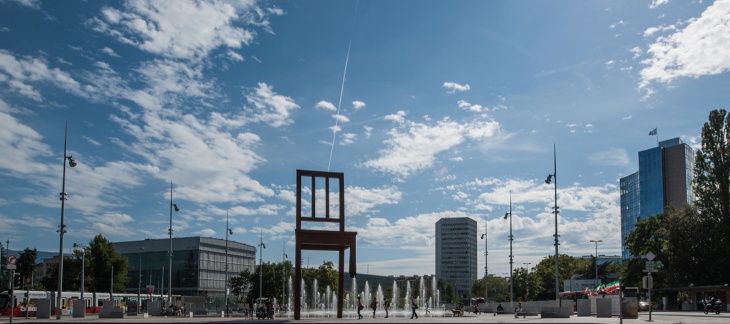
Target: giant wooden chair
322, 240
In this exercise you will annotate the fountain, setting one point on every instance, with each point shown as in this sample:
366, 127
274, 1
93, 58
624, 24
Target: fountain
324, 305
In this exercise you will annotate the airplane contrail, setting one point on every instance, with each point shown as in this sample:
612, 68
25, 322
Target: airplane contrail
342, 87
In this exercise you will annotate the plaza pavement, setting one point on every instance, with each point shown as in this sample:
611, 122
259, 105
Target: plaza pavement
657, 317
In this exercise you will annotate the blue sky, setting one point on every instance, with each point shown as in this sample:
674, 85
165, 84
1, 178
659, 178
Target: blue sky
446, 108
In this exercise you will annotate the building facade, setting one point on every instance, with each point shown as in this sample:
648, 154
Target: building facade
456, 253
198, 264
664, 179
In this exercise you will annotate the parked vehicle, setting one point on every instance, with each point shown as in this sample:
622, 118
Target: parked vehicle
713, 306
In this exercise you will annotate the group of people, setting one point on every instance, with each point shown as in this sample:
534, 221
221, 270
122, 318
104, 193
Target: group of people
386, 306
173, 310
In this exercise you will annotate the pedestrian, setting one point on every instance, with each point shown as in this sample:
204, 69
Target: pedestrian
428, 312
386, 305
519, 310
414, 306
250, 308
374, 305
359, 307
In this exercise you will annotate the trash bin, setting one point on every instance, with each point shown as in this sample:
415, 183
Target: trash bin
630, 308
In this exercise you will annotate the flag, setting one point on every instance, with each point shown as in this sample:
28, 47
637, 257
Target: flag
653, 132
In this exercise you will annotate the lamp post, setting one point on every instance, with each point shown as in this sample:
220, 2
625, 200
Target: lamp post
83, 267
283, 274
527, 279
511, 282
139, 282
62, 227
595, 261
228, 231
553, 178
262, 246
486, 269
169, 253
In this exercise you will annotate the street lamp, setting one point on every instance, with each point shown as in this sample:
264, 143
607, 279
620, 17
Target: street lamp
527, 279
553, 178
283, 275
62, 227
486, 269
169, 283
509, 214
595, 260
83, 267
228, 231
262, 246
139, 282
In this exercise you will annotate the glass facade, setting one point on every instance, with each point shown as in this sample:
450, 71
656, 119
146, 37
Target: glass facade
664, 178
629, 187
198, 264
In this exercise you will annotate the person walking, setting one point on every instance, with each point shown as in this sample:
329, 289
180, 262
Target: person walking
359, 307
386, 306
414, 306
374, 305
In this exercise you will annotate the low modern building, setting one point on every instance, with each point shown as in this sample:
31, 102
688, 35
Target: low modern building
198, 264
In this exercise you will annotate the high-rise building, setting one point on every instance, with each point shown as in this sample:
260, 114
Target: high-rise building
456, 253
664, 179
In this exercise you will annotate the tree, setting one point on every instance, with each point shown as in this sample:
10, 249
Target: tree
101, 257
544, 288
26, 263
711, 187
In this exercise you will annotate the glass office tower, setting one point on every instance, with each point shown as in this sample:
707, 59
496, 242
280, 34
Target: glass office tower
664, 179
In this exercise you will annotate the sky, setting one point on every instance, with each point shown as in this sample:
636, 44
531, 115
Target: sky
431, 109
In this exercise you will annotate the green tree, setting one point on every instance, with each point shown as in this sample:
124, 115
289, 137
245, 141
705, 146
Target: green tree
26, 263
711, 187
101, 257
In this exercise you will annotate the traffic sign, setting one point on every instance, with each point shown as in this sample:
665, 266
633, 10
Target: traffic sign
12, 260
650, 256
649, 265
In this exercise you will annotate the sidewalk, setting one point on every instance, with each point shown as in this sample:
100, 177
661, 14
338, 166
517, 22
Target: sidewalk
657, 317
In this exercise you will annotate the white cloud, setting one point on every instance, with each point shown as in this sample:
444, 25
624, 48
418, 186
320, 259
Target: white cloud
325, 105
348, 138
454, 87
33, 4
656, 3
19, 74
341, 118
182, 30
467, 106
413, 146
368, 131
22, 146
361, 201
357, 105
270, 107
697, 50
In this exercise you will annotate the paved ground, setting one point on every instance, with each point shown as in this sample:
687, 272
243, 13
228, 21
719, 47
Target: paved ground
657, 317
